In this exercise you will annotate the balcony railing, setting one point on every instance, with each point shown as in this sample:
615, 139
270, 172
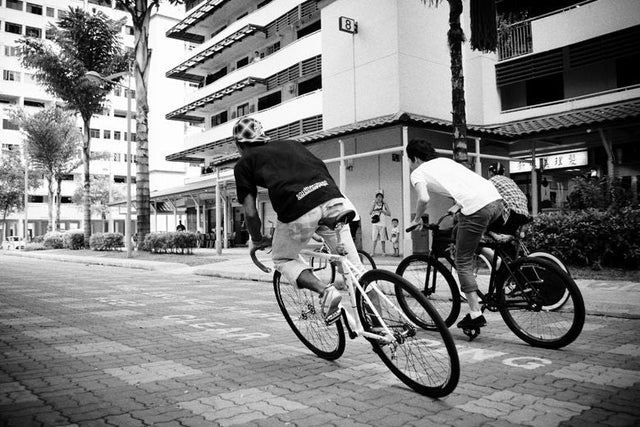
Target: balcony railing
515, 40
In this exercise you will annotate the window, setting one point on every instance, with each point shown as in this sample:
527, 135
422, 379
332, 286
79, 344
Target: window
133, 136
36, 9
545, 89
116, 158
117, 91
48, 33
215, 76
12, 76
242, 62
14, 4
310, 85
273, 48
128, 29
51, 12
311, 28
10, 27
106, 134
11, 50
116, 135
94, 133
270, 100
37, 104
36, 199
263, 3
242, 110
62, 13
33, 32
67, 177
9, 125
219, 118
10, 147
132, 92
66, 199
105, 3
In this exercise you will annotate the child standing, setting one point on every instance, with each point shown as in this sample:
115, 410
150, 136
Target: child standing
395, 237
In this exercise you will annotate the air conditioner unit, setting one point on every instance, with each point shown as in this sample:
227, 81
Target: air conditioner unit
233, 115
252, 108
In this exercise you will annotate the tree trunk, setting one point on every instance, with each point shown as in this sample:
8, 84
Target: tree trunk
455, 38
50, 224
86, 197
58, 192
141, 74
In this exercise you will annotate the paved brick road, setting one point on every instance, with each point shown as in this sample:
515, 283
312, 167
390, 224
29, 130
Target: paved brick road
94, 345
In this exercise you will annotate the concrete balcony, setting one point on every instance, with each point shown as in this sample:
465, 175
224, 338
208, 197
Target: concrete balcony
297, 108
568, 26
290, 55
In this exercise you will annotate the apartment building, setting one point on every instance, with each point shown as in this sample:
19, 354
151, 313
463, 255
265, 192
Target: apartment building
355, 80
18, 89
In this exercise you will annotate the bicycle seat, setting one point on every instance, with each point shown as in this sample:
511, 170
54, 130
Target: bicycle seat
344, 217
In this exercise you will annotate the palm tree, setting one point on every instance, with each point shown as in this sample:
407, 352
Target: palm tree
52, 142
483, 38
81, 42
140, 11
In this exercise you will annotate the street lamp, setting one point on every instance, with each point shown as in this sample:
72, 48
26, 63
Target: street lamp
96, 78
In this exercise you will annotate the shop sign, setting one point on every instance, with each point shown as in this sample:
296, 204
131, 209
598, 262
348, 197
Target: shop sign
555, 161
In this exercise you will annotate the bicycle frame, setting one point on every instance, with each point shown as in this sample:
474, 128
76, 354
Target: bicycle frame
354, 326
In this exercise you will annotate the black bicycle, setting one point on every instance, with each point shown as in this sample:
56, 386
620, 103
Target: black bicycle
525, 290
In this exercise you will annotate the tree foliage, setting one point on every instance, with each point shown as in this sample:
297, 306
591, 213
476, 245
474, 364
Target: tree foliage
81, 42
12, 184
53, 144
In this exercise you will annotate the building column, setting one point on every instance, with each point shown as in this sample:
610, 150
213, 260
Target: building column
218, 228
407, 241
478, 167
534, 181
611, 173
343, 169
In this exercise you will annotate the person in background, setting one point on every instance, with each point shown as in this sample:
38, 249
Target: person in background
395, 237
180, 227
379, 212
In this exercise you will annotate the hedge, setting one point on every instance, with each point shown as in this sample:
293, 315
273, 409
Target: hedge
106, 241
590, 237
53, 240
174, 242
73, 239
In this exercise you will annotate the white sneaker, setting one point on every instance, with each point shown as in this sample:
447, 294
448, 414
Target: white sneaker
330, 302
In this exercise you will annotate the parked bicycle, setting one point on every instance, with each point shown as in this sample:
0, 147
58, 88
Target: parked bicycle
424, 359
525, 290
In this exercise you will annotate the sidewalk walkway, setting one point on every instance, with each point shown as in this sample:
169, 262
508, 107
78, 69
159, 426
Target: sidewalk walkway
618, 298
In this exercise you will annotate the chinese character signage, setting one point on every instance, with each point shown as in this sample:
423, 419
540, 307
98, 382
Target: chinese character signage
556, 161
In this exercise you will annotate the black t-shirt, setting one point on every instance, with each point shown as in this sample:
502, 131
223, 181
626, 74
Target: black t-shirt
297, 180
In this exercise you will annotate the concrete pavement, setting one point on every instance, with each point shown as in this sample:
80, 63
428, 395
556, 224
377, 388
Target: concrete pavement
93, 345
617, 298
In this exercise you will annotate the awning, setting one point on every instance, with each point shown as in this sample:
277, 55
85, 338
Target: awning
179, 114
179, 72
179, 31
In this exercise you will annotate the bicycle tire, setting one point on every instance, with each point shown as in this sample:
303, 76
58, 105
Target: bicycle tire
435, 282
424, 359
523, 303
563, 299
366, 260
301, 310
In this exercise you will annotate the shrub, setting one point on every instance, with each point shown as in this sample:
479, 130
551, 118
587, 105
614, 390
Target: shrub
53, 240
38, 239
73, 239
174, 242
106, 241
34, 246
590, 237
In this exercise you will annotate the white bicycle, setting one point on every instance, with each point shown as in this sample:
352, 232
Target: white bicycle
424, 359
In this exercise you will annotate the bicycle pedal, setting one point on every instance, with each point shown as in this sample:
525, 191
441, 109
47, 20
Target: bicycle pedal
330, 320
471, 333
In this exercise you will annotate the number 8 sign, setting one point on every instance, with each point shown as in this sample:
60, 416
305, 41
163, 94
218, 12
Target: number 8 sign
348, 25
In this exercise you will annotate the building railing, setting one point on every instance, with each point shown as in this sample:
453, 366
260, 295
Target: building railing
515, 40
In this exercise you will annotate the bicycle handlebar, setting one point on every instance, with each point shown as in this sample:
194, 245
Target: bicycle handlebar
261, 266
432, 226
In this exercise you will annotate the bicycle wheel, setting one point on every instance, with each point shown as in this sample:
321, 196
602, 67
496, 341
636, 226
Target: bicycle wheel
301, 309
435, 282
323, 269
424, 359
524, 299
563, 297
366, 260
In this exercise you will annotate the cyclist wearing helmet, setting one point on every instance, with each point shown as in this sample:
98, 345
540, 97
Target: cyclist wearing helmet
302, 192
515, 212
